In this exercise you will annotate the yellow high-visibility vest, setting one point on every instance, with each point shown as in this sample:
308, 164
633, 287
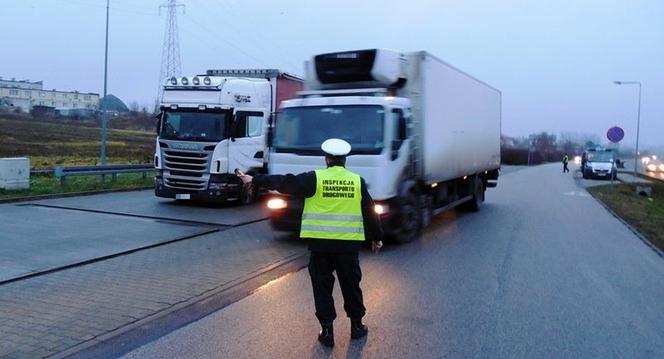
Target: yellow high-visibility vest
335, 210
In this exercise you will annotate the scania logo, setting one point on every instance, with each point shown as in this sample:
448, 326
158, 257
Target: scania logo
185, 146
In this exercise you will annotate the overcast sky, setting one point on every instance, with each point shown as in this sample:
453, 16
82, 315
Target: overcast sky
554, 61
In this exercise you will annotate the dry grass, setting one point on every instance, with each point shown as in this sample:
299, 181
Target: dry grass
644, 214
50, 143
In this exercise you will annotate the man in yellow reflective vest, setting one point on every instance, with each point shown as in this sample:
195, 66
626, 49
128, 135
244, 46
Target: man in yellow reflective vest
337, 218
565, 162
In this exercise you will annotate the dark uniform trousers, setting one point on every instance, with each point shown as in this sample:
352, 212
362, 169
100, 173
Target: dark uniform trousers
347, 266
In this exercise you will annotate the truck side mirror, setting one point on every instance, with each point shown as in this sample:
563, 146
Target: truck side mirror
270, 131
159, 116
396, 145
233, 128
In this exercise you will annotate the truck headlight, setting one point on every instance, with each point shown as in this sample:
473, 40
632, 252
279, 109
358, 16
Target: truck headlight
381, 208
214, 186
276, 203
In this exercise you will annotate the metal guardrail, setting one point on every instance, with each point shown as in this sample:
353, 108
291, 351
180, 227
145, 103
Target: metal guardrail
642, 175
42, 171
113, 170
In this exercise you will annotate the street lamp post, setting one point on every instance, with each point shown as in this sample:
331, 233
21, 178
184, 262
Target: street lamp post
104, 118
638, 119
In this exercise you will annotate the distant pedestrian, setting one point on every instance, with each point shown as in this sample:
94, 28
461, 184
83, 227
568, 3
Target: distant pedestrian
565, 162
338, 215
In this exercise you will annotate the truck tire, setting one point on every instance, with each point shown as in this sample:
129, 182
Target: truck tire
248, 194
410, 219
478, 197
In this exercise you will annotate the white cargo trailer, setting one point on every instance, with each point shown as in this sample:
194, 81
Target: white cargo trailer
425, 135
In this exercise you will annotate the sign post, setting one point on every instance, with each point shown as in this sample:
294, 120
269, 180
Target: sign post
615, 134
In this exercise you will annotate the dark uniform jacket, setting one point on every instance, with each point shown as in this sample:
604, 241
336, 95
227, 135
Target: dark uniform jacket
304, 185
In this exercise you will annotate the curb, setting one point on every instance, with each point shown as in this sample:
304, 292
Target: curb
123, 340
643, 238
71, 194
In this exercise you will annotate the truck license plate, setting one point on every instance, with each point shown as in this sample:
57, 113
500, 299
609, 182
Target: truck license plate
183, 196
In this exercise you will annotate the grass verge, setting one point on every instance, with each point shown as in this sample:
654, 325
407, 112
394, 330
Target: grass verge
49, 144
644, 214
45, 185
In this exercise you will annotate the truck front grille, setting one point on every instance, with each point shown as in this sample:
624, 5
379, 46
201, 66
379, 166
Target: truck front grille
185, 169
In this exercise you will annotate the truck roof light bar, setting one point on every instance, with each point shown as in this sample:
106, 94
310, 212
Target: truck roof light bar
346, 92
251, 73
243, 72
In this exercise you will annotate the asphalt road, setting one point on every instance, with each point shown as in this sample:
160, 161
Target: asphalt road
54, 233
543, 270
75, 272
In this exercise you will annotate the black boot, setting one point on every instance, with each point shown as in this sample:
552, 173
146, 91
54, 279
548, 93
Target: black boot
357, 329
326, 335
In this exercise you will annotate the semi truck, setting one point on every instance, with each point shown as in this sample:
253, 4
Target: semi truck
425, 136
211, 124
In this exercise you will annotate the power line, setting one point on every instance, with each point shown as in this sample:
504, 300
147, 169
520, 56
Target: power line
215, 35
256, 38
114, 8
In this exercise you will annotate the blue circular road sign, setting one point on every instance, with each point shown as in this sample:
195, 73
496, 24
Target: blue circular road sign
615, 134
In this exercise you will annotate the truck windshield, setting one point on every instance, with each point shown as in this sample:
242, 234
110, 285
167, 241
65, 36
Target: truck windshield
303, 129
192, 125
600, 156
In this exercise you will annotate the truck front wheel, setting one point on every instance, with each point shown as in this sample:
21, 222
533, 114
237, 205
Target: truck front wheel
410, 219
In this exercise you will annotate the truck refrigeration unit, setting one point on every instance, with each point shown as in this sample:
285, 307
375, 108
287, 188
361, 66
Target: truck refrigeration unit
211, 124
424, 135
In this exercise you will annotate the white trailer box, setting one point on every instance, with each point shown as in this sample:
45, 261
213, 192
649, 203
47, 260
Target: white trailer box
456, 116
15, 173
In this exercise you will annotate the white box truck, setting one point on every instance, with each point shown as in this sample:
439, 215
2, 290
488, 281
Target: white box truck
211, 124
424, 135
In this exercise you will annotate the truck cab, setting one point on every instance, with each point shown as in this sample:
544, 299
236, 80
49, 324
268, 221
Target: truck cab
377, 128
210, 125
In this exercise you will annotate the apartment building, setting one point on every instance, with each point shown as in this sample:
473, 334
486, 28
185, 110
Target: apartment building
25, 95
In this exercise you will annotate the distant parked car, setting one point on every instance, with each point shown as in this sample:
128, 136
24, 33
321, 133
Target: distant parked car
598, 162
